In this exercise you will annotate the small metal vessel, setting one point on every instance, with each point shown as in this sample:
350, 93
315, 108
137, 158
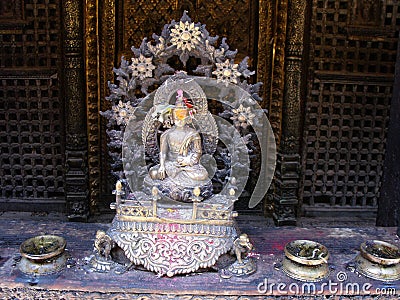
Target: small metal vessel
379, 260
306, 260
43, 255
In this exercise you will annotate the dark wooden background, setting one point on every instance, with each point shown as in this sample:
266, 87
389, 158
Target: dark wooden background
328, 85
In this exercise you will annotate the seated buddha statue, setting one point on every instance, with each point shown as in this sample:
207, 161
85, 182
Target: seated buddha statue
179, 170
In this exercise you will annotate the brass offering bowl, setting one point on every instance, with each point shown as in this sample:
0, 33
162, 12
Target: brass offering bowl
379, 260
307, 252
380, 252
42, 255
306, 260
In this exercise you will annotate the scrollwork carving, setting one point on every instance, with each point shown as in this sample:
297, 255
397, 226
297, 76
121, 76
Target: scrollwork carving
76, 153
76, 121
265, 49
98, 73
296, 28
92, 98
278, 70
170, 254
292, 109
72, 25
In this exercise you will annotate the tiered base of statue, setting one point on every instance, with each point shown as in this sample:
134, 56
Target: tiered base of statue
169, 237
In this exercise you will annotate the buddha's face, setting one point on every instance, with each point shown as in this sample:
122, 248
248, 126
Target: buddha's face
180, 115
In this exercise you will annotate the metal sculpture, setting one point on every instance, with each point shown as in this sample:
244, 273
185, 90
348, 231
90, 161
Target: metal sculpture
179, 168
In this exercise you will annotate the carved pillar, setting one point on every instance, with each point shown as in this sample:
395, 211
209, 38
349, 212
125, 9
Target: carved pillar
265, 53
75, 112
100, 36
276, 83
288, 161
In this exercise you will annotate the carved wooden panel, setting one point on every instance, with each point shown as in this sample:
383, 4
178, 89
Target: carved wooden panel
31, 110
352, 58
38, 44
236, 20
11, 15
31, 160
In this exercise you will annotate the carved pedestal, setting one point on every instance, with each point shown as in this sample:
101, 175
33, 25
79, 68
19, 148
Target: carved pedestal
169, 238
170, 249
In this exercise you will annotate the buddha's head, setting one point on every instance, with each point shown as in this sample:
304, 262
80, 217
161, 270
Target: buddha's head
180, 116
181, 112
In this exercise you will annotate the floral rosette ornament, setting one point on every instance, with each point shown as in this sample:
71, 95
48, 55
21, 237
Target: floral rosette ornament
123, 112
242, 116
227, 72
185, 36
142, 67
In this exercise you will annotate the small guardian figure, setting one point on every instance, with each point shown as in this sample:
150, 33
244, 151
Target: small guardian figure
244, 265
103, 244
101, 261
242, 247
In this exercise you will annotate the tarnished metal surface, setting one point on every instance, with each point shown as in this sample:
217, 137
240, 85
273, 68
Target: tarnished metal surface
303, 272
306, 260
306, 252
379, 260
43, 247
43, 255
43, 268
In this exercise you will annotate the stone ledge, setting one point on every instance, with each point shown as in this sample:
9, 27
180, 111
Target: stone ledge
269, 241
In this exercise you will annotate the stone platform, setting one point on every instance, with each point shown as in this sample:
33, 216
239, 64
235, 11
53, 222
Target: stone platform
269, 282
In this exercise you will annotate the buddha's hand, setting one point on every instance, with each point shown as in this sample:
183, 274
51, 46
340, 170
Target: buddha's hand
161, 172
183, 161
